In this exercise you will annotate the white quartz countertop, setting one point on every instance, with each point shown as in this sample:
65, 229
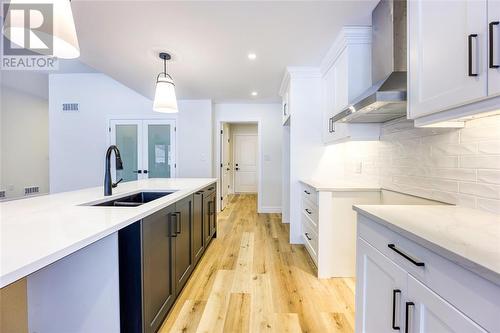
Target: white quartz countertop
468, 237
38, 231
340, 186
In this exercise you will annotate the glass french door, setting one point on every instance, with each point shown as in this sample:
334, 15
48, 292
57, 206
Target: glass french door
147, 148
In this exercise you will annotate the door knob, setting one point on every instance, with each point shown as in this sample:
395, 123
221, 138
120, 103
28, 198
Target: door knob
237, 169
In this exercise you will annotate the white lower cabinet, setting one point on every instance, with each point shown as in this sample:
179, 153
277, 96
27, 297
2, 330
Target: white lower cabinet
402, 286
428, 312
379, 291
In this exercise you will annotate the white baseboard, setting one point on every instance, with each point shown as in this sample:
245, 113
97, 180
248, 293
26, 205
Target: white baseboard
270, 209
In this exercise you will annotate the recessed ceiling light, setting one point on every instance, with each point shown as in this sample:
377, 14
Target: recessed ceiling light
254, 93
252, 56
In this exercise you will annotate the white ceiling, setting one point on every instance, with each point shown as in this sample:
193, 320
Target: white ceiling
210, 42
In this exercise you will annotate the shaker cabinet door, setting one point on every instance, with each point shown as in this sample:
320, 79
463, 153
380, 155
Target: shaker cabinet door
493, 47
380, 287
428, 312
198, 237
183, 242
158, 282
447, 54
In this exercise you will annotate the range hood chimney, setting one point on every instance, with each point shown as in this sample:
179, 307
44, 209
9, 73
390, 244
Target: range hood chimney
386, 99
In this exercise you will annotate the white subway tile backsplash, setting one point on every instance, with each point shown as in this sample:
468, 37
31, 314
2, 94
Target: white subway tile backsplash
454, 149
489, 147
481, 190
456, 166
471, 134
480, 162
454, 174
489, 205
488, 176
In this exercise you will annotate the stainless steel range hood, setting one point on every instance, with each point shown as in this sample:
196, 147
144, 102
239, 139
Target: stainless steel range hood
386, 99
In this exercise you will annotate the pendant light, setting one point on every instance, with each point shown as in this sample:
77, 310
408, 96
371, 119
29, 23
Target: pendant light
65, 40
165, 100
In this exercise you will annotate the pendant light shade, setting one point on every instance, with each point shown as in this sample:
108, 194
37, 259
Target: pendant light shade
63, 34
165, 99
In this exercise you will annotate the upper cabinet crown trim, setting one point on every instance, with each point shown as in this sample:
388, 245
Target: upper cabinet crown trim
349, 35
298, 73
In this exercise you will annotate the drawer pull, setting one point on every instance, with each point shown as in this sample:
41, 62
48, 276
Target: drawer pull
394, 293
404, 255
307, 192
407, 316
307, 236
308, 211
492, 40
471, 53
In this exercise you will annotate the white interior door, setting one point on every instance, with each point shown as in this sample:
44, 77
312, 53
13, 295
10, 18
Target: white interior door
147, 148
226, 167
245, 163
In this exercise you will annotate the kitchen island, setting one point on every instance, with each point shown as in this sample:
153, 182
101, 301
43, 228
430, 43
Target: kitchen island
69, 249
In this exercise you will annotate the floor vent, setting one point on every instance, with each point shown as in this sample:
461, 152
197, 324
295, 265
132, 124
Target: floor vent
31, 190
70, 107
2, 194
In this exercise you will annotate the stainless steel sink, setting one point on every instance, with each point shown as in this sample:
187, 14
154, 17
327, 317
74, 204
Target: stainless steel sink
133, 200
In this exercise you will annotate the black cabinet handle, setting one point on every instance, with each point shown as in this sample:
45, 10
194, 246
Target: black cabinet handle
307, 192
178, 225
407, 315
469, 45
406, 256
492, 44
172, 218
307, 236
394, 293
145, 171
308, 211
137, 171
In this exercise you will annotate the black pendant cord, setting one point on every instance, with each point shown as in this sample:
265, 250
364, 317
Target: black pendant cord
165, 66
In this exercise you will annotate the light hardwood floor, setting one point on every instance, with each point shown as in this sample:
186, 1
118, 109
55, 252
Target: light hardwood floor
252, 280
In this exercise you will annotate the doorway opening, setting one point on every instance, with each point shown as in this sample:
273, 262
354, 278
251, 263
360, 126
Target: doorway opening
239, 159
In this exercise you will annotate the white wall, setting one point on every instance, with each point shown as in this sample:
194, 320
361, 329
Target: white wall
78, 140
269, 118
24, 142
194, 138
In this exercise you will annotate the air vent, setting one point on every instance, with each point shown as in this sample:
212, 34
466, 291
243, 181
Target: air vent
31, 190
71, 107
2, 194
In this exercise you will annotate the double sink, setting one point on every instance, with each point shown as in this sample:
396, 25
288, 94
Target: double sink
132, 200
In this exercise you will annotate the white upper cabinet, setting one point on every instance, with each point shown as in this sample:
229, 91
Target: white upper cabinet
449, 78
494, 48
346, 74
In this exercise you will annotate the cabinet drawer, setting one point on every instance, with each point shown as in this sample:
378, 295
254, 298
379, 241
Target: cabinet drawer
311, 211
310, 241
309, 193
306, 220
209, 190
476, 297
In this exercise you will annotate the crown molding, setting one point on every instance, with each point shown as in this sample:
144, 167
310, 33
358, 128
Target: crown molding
298, 73
349, 35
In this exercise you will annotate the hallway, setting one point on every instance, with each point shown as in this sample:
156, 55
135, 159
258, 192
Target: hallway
252, 280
